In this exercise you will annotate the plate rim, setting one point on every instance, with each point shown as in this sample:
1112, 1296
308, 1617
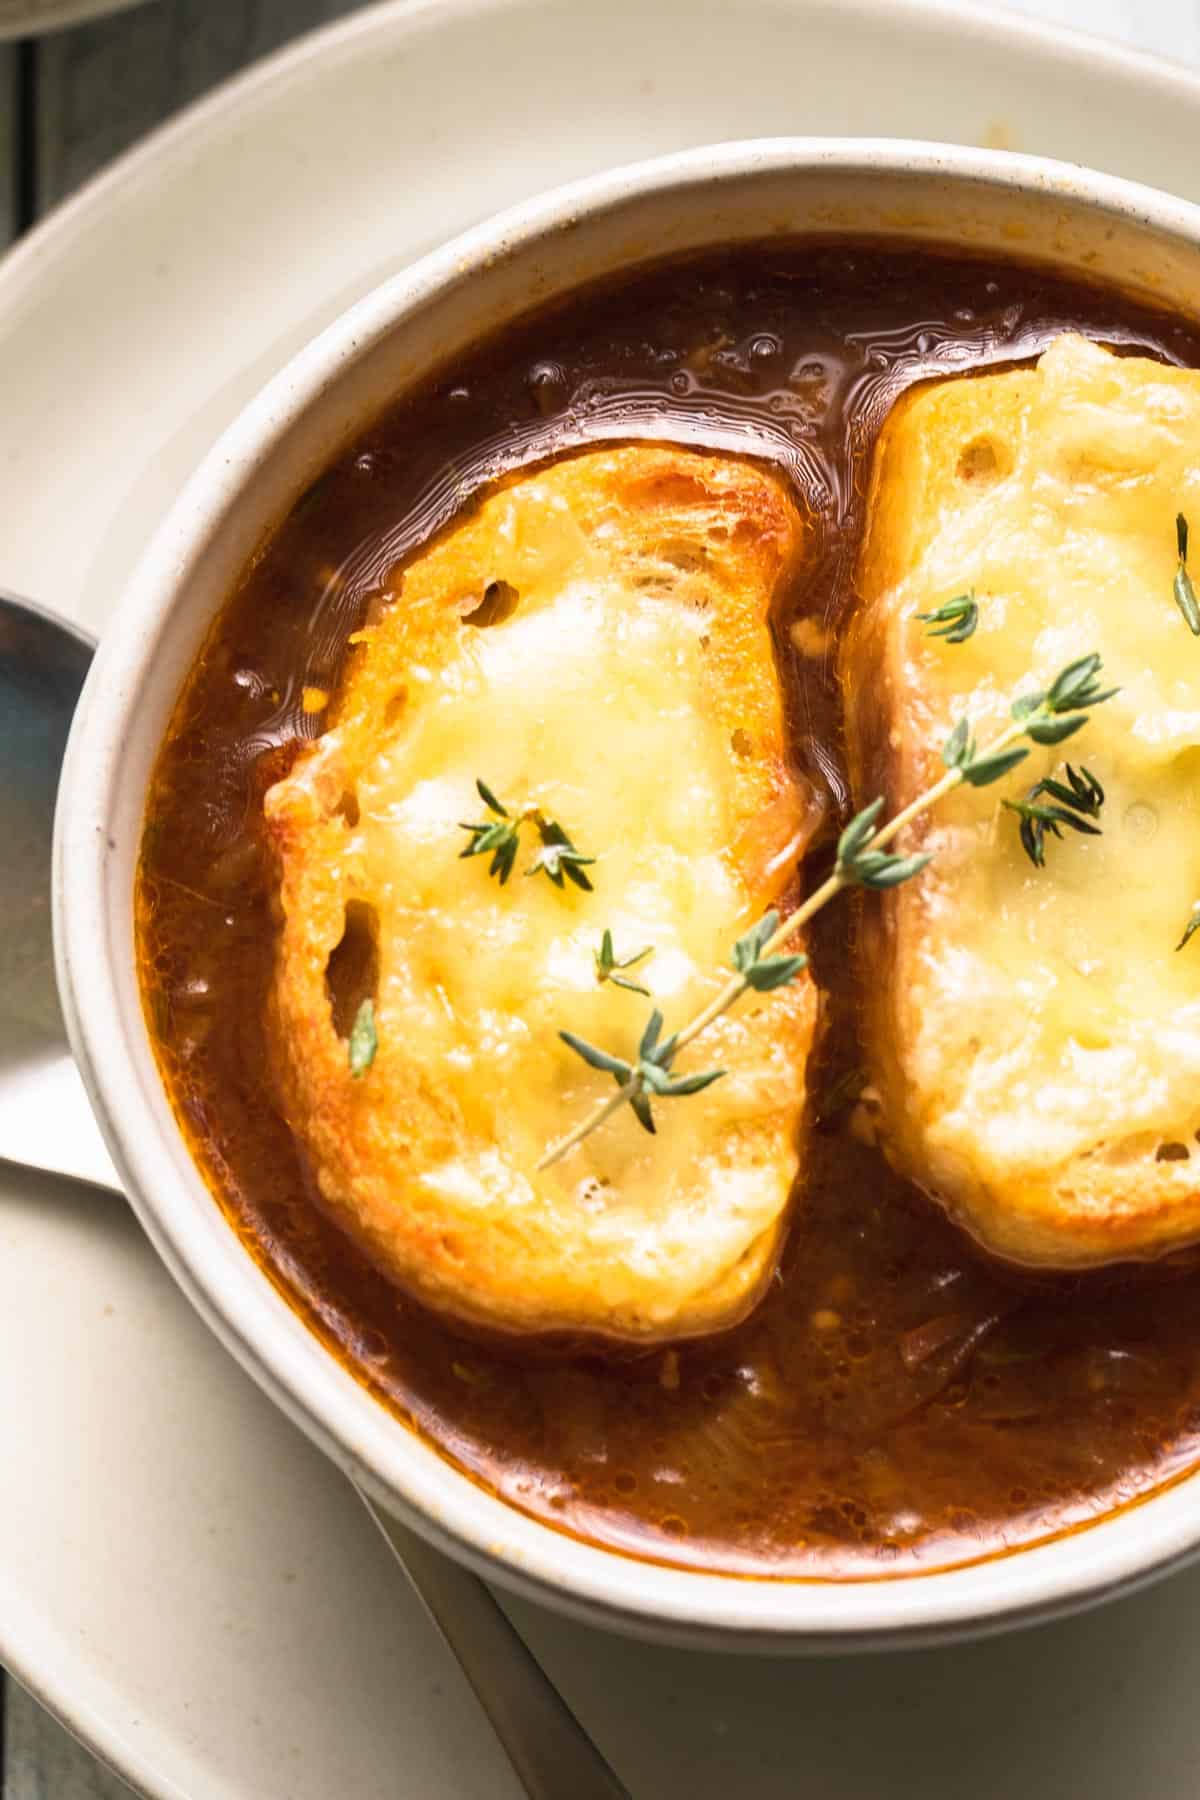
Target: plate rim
280, 68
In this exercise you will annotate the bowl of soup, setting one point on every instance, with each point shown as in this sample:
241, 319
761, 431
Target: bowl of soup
624, 881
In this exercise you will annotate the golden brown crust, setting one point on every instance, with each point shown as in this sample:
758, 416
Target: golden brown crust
1017, 1049
663, 557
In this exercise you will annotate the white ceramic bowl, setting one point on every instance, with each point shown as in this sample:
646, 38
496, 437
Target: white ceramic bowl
989, 201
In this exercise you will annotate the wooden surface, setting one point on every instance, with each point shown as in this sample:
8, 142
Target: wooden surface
100, 87
69, 102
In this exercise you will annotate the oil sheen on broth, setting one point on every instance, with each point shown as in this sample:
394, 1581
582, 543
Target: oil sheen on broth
898, 1401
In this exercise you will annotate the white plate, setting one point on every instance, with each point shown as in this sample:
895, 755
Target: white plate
182, 1578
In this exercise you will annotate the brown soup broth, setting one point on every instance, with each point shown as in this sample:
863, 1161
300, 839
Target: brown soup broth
898, 1401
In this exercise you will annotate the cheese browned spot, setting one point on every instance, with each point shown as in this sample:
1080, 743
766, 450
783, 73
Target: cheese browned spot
592, 639
1033, 1033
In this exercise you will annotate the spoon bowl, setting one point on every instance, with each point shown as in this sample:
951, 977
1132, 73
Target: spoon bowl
46, 1120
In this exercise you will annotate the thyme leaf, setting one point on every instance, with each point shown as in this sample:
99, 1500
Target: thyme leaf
599, 1059
1185, 593
489, 799
1073, 804
640, 1103
558, 858
858, 865
1192, 926
961, 752
957, 618
609, 965
764, 973
363, 1041
1061, 710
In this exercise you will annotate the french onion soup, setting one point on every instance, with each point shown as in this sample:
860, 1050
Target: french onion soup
665, 904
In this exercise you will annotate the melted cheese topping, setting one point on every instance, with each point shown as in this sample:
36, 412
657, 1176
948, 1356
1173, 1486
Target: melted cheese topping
622, 684
1056, 1020
592, 709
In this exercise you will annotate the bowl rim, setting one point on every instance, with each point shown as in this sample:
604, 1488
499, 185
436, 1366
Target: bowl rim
390, 1461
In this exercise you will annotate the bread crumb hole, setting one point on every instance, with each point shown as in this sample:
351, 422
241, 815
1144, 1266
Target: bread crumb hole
685, 556
352, 972
1172, 1153
500, 601
979, 462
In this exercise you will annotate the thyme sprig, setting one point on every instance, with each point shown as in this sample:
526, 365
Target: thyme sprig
609, 965
1046, 716
1185, 593
1050, 804
650, 1075
501, 835
957, 618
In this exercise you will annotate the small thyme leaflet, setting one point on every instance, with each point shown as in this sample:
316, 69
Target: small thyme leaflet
609, 965
1046, 717
860, 866
1062, 710
557, 858
1192, 926
363, 1041
957, 618
1185, 593
760, 972
960, 752
1074, 804
558, 855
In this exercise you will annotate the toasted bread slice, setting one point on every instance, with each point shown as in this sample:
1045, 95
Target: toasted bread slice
1034, 1033
592, 639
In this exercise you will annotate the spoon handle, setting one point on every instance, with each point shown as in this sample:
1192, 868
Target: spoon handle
547, 1746
46, 1119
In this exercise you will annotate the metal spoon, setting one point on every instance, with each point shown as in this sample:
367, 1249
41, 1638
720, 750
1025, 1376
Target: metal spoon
46, 1123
